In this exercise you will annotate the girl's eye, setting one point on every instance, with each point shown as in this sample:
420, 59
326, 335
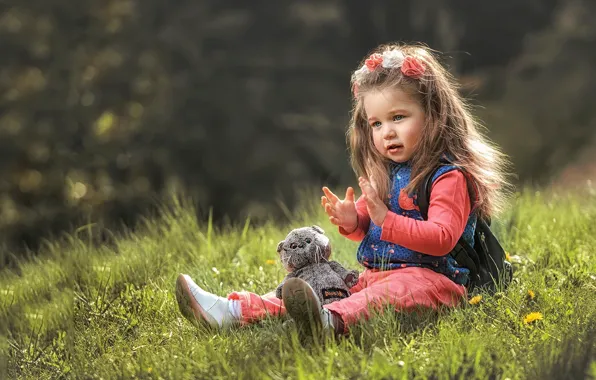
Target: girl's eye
308, 240
398, 117
376, 124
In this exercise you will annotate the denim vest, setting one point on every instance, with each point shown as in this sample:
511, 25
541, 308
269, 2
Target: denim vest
375, 253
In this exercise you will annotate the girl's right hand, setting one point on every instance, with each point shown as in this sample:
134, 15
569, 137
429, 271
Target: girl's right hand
342, 213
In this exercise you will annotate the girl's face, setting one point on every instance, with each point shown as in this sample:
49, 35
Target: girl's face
396, 120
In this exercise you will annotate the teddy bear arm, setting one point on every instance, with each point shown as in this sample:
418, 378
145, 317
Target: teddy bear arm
280, 286
350, 277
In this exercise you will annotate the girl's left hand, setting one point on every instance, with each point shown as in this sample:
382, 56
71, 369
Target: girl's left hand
377, 210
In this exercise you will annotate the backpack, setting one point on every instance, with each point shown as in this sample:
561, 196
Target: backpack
489, 270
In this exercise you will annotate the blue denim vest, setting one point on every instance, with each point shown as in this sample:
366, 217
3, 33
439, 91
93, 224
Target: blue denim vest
378, 254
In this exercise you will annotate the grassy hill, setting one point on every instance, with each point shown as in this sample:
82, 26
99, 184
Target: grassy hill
110, 312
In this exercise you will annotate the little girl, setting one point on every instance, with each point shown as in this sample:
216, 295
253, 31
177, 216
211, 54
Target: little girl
408, 119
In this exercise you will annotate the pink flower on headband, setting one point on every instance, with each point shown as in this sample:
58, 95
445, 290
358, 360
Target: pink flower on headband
373, 61
413, 67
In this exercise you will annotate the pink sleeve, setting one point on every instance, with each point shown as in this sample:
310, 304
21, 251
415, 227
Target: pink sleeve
448, 213
363, 222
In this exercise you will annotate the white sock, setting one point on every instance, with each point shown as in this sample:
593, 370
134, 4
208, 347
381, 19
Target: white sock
235, 309
327, 319
222, 310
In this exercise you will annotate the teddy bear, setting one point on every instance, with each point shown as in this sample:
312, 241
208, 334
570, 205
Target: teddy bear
305, 254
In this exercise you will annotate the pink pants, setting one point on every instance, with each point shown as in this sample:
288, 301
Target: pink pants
406, 289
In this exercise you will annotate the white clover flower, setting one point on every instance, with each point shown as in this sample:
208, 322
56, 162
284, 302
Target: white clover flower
392, 58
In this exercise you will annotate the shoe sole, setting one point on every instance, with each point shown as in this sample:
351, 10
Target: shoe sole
189, 307
298, 299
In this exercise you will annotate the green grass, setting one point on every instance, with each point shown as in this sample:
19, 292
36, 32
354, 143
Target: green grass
82, 312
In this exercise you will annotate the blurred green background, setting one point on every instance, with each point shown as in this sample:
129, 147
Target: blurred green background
108, 106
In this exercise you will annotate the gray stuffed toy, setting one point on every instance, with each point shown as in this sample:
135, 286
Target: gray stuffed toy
305, 254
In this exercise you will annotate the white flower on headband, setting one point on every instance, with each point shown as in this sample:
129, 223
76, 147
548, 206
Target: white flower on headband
360, 73
392, 58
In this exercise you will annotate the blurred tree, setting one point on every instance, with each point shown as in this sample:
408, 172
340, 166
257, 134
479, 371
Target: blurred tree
107, 106
544, 113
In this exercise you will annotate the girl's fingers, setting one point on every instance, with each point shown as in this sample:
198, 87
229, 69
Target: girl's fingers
363, 189
350, 194
367, 188
332, 197
329, 210
334, 220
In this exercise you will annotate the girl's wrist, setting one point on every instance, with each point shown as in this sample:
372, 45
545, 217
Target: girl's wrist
351, 229
381, 218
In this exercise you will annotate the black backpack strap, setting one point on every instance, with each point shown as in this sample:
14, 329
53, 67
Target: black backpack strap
463, 253
423, 193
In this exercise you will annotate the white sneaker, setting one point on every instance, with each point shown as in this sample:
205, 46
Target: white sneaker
303, 305
202, 307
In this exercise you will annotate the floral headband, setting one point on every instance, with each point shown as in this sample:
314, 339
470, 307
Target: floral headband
391, 59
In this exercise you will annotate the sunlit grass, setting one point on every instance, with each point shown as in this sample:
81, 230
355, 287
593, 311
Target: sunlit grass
85, 312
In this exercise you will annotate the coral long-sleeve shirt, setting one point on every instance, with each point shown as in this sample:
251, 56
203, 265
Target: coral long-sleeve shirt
448, 213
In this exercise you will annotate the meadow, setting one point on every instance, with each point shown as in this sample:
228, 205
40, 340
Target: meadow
81, 311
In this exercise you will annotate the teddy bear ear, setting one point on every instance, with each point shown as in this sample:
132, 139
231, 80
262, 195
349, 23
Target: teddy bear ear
318, 229
279, 245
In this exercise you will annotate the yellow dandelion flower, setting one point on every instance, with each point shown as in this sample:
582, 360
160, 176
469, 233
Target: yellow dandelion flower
531, 294
270, 262
507, 256
535, 316
476, 299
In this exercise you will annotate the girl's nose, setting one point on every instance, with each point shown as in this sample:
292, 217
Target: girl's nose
389, 132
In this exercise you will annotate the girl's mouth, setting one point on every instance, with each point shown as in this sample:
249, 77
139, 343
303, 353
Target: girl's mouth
394, 148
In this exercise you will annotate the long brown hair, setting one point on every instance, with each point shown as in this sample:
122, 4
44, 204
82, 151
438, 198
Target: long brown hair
449, 129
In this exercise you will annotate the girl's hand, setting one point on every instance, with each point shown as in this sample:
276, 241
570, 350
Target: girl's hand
377, 210
341, 213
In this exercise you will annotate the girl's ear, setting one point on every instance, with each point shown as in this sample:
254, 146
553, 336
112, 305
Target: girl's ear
279, 245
